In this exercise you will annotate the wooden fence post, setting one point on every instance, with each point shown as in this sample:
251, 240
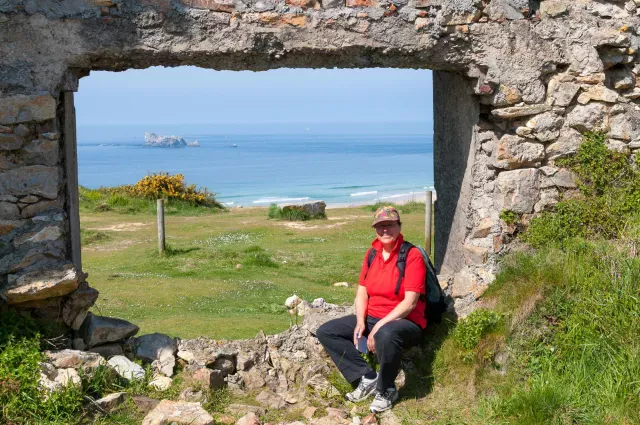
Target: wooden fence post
161, 241
428, 221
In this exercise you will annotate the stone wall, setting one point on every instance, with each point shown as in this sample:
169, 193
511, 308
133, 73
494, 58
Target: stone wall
516, 83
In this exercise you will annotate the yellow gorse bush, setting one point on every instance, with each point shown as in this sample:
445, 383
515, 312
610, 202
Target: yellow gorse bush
165, 185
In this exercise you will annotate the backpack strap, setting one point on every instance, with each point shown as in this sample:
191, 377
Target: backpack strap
402, 262
370, 257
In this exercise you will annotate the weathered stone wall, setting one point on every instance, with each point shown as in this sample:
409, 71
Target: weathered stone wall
516, 82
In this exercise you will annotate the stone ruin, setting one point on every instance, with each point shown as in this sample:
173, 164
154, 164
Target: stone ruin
516, 81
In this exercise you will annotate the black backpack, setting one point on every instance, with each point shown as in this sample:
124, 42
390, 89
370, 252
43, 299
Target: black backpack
434, 298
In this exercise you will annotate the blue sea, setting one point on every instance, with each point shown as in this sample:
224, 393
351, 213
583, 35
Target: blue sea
340, 165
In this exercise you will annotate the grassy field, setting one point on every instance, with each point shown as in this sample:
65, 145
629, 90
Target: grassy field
227, 274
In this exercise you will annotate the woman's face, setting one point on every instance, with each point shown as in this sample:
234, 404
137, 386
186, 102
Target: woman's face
387, 231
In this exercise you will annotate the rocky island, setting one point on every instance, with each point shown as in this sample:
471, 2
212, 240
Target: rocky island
155, 141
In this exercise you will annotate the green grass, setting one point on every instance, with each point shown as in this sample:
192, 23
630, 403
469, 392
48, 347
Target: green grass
224, 275
108, 200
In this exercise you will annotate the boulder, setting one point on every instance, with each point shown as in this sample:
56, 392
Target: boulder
152, 346
126, 368
252, 379
178, 412
315, 317
144, 404
249, 419
42, 284
110, 402
97, 330
108, 350
74, 359
165, 364
52, 379
161, 383
519, 189
271, 400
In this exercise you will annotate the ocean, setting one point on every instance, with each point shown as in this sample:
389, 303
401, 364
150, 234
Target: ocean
256, 169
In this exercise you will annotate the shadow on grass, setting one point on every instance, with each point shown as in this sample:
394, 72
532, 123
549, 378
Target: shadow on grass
174, 252
419, 381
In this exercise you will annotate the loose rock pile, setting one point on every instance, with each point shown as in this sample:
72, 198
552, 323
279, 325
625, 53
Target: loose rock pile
287, 371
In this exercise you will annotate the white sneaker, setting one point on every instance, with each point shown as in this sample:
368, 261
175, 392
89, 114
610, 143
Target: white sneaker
384, 400
365, 388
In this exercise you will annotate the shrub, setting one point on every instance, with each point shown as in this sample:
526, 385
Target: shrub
609, 185
292, 213
472, 328
164, 185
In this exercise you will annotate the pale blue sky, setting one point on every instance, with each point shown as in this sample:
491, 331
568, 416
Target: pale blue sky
189, 95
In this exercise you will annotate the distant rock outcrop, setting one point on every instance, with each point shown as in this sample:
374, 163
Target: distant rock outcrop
155, 141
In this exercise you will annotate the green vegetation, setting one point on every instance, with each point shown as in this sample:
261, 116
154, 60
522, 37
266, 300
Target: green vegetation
292, 213
411, 207
509, 217
609, 196
180, 199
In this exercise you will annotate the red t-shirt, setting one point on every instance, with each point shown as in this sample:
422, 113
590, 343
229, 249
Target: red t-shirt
382, 278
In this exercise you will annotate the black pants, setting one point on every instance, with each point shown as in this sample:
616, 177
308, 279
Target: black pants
336, 336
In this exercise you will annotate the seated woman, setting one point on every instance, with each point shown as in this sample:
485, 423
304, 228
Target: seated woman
390, 322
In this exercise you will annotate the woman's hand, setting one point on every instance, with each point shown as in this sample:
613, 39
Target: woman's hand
371, 342
358, 332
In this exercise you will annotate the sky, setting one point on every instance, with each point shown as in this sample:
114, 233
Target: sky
159, 96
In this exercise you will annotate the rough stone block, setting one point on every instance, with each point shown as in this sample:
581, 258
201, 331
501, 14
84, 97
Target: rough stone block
586, 117
561, 93
567, 144
553, 8
178, 412
77, 306
9, 142
361, 3
41, 152
212, 379
304, 4
504, 9
17, 109
34, 209
519, 189
49, 233
42, 284
215, 5
9, 211
520, 111
126, 368
516, 152
30, 180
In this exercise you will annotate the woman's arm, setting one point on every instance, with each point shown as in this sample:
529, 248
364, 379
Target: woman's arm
362, 300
